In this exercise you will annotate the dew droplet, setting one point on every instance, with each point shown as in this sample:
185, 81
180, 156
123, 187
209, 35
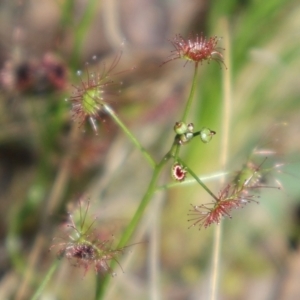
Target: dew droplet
113, 274
94, 57
78, 72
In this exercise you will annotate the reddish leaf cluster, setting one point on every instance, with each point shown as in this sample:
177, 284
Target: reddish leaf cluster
90, 96
235, 195
231, 197
85, 254
33, 75
85, 249
197, 49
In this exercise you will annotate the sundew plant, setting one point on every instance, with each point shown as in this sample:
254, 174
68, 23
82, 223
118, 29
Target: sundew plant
156, 164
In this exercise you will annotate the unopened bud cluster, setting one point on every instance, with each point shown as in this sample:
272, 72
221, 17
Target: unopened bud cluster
185, 133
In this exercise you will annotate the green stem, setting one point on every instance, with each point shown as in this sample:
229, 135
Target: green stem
148, 157
174, 152
226, 118
189, 103
102, 284
191, 181
197, 179
217, 240
191, 96
45, 280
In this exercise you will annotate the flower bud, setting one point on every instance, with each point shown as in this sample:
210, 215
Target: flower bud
190, 127
186, 137
180, 127
206, 135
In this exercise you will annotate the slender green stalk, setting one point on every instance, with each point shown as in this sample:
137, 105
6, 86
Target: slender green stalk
191, 181
152, 188
197, 179
191, 96
216, 262
154, 232
45, 280
188, 103
149, 193
101, 287
114, 116
226, 117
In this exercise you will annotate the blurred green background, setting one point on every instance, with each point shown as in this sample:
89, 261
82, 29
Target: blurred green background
46, 164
